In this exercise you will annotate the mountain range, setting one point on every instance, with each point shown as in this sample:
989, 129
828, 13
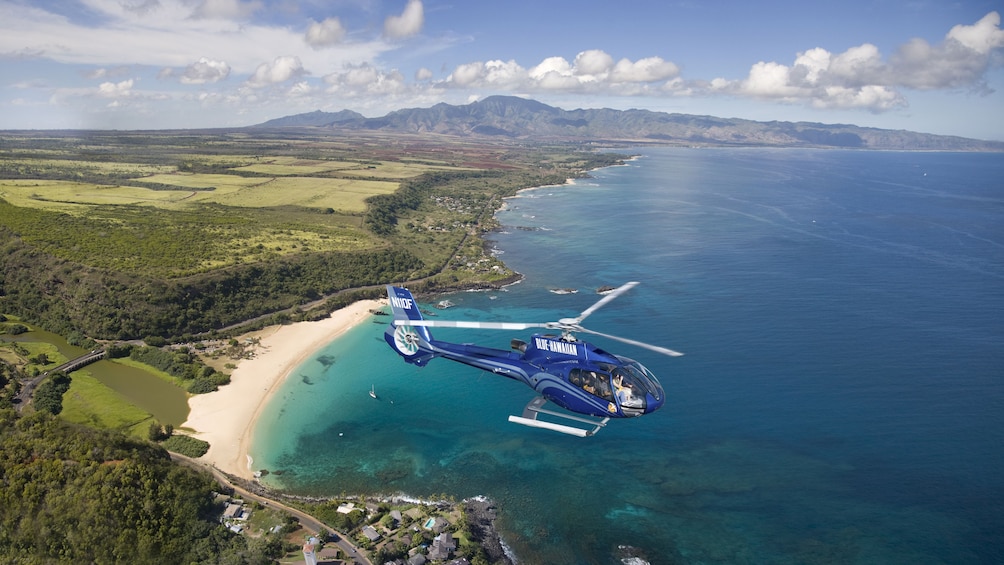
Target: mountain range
521, 118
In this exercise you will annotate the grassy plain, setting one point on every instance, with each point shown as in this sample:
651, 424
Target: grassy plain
174, 205
91, 402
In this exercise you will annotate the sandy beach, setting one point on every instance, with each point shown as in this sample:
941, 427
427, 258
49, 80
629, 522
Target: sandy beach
226, 418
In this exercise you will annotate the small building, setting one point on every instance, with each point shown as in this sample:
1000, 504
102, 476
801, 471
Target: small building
442, 547
417, 559
310, 551
437, 524
233, 510
370, 533
346, 508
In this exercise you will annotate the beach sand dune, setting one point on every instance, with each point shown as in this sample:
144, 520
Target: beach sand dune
226, 418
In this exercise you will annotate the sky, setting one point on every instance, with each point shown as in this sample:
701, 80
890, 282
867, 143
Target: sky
932, 66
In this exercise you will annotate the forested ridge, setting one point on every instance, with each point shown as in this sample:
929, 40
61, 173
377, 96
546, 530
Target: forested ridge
71, 494
67, 297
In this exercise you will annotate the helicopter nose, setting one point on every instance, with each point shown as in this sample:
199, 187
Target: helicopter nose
653, 403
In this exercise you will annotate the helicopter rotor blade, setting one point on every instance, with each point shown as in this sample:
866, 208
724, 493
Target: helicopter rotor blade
469, 324
641, 344
610, 296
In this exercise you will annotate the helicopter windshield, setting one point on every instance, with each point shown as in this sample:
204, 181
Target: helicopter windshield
632, 385
639, 376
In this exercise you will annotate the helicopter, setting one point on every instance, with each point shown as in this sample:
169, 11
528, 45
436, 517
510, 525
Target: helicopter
591, 383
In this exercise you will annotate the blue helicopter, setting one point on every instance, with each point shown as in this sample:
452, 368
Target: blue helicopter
575, 375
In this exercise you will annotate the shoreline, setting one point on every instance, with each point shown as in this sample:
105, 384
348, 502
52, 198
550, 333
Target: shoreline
226, 418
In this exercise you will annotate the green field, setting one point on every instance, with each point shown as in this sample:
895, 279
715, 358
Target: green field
178, 191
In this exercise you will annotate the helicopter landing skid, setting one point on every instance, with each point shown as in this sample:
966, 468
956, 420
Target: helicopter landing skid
536, 407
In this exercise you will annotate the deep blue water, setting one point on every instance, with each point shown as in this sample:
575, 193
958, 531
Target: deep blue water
841, 399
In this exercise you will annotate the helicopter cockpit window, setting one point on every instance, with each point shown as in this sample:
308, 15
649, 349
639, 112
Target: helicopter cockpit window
593, 382
629, 393
632, 381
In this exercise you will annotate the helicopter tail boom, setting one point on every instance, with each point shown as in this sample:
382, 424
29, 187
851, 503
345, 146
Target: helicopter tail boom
410, 341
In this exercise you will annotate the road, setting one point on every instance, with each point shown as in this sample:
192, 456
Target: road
308, 522
28, 387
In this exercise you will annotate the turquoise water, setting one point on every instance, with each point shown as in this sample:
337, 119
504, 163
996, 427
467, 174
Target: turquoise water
840, 401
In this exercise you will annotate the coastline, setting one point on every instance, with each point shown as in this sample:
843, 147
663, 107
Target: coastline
226, 418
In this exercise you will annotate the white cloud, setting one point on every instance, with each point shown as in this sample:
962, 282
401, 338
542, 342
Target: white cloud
650, 69
769, 79
423, 74
408, 23
365, 80
205, 70
165, 34
468, 74
323, 34
279, 70
301, 89
226, 9
592, 71
115, 89
505, 73
593, 62
551, 66
872, 97
859, 78
982, 37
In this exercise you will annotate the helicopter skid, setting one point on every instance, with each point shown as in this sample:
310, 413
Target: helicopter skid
536, 407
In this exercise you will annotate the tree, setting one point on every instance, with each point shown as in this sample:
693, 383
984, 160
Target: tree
48, 396
40, 359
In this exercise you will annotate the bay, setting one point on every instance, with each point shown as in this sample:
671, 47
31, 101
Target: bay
840, 401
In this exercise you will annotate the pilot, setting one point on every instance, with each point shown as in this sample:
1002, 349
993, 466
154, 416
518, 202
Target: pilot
623, 392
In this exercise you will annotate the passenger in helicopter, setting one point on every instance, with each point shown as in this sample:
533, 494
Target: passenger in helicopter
624, 392
602, 385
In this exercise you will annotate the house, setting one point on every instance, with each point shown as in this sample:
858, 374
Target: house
396, 516
233, 510
442, 547
436, 524
370, 533
417, 559
346, 508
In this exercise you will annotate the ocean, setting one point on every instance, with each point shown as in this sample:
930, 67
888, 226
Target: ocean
841, 399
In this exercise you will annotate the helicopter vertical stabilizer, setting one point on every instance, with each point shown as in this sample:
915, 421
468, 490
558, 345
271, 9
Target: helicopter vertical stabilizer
410, 342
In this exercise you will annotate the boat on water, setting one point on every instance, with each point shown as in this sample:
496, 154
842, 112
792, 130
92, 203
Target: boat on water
373, 391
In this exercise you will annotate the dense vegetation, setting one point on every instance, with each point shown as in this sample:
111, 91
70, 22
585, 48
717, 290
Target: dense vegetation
131, 271
70, 494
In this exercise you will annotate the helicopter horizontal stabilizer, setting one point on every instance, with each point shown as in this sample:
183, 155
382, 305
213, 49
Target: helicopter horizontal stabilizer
536, 407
